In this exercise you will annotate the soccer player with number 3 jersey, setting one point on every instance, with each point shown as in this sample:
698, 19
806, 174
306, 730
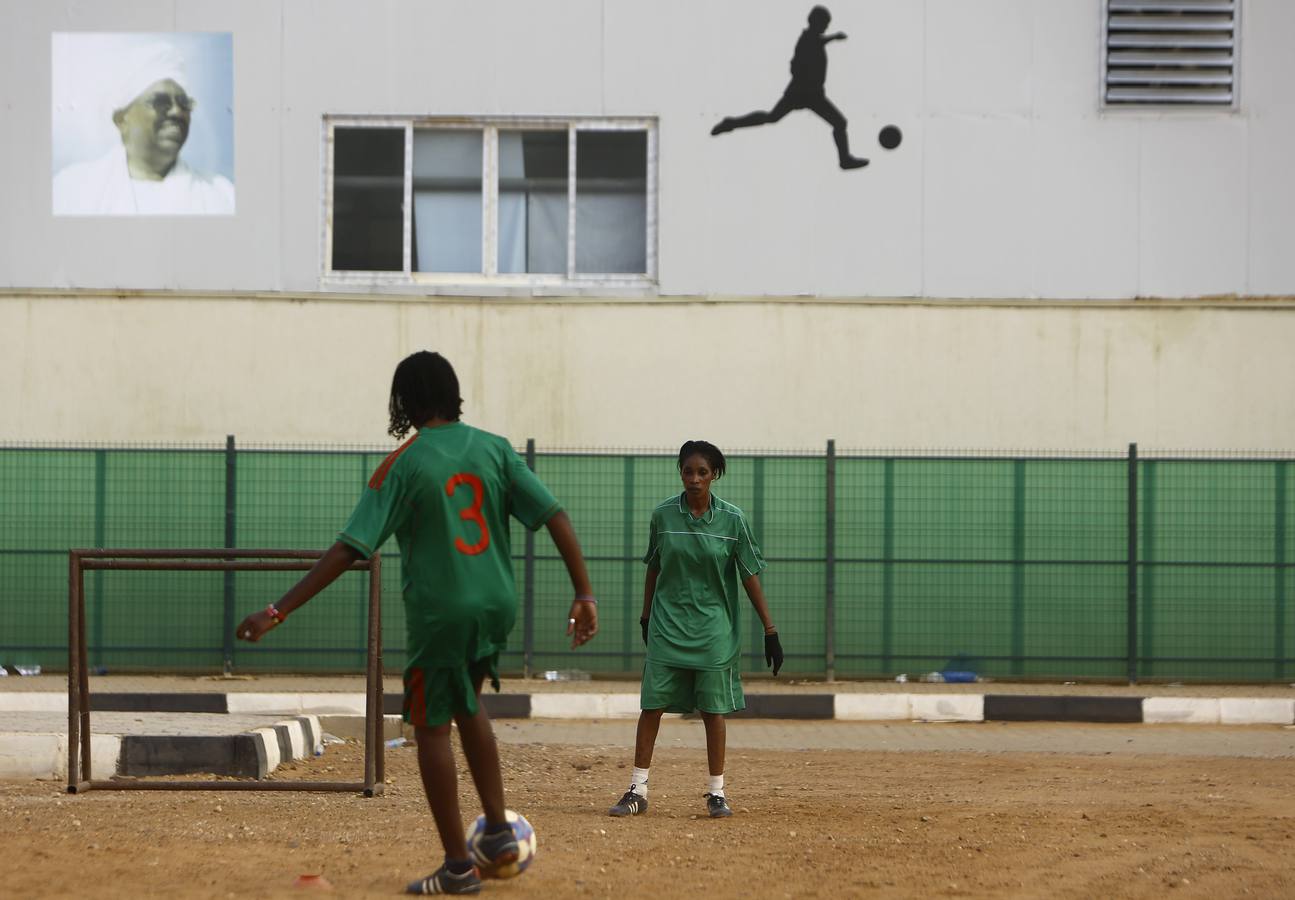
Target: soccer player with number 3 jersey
446, 494
699, 548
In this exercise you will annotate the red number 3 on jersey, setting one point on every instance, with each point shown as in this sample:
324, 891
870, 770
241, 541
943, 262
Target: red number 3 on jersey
471, 513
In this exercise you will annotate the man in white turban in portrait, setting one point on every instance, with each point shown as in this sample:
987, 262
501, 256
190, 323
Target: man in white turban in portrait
143, 173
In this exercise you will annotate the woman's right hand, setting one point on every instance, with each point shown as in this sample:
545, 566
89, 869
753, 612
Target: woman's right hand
256, 625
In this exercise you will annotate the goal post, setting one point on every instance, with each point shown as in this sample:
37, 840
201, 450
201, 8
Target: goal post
79, 776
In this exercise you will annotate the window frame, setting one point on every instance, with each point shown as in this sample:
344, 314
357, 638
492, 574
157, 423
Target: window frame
490, 280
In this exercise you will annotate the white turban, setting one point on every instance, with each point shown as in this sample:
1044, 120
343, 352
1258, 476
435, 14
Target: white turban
141, 67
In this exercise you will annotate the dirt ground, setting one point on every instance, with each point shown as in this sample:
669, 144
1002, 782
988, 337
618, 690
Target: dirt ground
808, 823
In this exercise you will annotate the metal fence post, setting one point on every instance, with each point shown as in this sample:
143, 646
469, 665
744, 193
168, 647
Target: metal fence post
100, 538
362, 597
1018, 568
528, 583
231, 500
1132, 571
1279, 574
627, 567
829, 574
757, 526
888, 566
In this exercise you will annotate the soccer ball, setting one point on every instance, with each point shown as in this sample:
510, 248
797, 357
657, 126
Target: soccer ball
525, 835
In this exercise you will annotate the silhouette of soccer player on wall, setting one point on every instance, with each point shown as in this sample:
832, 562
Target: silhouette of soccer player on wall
808, 74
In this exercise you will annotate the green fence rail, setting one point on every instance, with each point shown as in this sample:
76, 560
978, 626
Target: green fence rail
1113, 566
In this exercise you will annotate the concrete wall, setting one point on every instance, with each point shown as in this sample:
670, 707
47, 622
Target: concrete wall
1010, 183
1017, 223
743, 373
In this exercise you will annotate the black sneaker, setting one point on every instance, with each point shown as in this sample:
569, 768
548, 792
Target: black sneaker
630, 805
717, 806
495, 850
443, 881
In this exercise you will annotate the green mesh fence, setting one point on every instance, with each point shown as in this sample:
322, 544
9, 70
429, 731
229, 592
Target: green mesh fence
1015, 566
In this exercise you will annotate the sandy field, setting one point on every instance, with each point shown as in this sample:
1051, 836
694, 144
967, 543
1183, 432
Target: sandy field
809, 823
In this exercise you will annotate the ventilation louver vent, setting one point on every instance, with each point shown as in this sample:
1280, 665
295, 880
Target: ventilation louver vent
1171, 52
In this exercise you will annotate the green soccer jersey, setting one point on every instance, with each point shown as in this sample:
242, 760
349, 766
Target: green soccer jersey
699, 563
446, 495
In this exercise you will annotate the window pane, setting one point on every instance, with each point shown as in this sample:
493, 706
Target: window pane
368, 199
447, 201
611, 201
533, 201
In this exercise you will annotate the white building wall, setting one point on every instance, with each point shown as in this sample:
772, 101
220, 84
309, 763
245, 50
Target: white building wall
974, 288
1011, 182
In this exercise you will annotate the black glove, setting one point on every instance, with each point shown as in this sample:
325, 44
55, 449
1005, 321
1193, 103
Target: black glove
773, 652
643, 622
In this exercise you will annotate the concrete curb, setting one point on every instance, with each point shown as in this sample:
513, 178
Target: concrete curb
253, 754
28, 756
924, 707
257, 753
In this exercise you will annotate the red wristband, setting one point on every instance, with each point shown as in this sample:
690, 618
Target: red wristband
273, 612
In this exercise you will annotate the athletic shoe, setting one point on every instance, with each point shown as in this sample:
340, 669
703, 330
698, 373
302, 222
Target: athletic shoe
630, 805
495, 850
717, 806
443, 881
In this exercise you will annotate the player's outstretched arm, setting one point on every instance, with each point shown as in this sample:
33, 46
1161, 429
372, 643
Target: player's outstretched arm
332, 564
772, 644
582, 621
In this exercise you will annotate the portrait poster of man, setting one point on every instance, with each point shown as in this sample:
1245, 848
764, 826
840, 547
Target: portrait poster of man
142, 124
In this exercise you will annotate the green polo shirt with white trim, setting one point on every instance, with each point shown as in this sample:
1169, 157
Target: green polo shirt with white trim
700, 563
446, 494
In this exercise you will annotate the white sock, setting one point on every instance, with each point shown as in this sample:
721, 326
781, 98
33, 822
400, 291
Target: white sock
716, 785
638, 781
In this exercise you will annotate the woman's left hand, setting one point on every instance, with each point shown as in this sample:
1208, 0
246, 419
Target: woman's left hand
582, 622
773, 651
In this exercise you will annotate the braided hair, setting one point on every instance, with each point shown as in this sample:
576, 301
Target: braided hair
424, 386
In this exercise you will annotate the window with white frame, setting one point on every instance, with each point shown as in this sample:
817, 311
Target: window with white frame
490, 201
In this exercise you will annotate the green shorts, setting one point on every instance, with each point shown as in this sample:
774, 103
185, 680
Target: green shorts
434, 696
684, 690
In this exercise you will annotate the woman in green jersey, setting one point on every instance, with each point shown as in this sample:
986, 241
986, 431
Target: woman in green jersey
447, 494
699, 548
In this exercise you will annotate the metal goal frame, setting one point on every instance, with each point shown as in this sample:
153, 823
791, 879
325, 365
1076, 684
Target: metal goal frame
79, 776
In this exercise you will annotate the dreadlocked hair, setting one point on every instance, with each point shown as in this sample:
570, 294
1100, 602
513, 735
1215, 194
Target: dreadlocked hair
708, 451
423, 387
